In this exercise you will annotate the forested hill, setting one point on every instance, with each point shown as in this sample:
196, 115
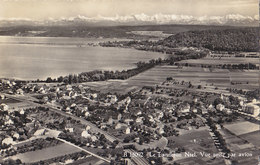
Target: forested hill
242, 39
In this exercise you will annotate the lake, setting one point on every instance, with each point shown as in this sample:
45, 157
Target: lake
31, 58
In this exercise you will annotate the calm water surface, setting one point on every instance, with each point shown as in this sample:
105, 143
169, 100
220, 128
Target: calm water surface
40, 57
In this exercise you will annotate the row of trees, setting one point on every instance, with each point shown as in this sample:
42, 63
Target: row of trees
249, 66
98, 75
223, 144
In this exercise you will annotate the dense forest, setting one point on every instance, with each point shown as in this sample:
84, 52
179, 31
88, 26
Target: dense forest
236, 39
243, 39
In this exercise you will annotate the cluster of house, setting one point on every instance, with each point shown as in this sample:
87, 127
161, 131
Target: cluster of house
9, 120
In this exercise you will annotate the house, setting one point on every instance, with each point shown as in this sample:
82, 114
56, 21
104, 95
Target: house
2, 97
186, 109
161, 130
137, 139
110, 121
118, 126
128, 130
16, 135
218, 126
68, 87
139, 113
119, 117
73, 105
227, 110
85, 134
19, 91
159, 115
94, 95
8, 141
40, 132
220, 107
4, 107
112, 98
87, 114
128, 121
87, 128
69, 129
9, 122
194, 110
139, 120
22, 112
94, 138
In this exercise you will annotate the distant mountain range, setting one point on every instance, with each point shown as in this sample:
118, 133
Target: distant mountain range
138, 19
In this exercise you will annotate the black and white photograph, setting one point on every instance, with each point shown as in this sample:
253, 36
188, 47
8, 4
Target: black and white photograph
129, 82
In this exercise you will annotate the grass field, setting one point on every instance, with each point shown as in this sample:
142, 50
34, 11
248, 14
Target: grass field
252, 137
196, 141
46, 153
196, 75
241, 128
222, 60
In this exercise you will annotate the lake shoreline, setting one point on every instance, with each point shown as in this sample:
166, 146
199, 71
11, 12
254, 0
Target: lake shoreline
53, 57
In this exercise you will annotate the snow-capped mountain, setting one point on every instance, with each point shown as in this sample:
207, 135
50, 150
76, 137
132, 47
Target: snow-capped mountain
143, 19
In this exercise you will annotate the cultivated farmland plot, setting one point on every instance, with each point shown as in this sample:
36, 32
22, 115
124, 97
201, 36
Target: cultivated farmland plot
222, 60
46, 153
196, 75
241, 128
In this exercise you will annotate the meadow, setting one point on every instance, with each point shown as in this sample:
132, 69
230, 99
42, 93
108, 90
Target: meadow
46, 153
222, 60
209, 78
241, 128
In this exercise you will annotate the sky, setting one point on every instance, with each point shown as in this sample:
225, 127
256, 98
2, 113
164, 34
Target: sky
46, 9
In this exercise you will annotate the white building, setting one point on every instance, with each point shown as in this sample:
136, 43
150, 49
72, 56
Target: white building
127, 131
85, 134
39, 132
2, 97
251, 109
69, 129
4, 107
220, 107
8, 141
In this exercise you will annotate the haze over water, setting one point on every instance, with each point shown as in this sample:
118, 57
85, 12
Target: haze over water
31, 58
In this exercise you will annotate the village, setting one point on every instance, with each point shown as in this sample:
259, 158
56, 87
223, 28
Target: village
149, 120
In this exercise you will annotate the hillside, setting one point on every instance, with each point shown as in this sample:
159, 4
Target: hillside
78, 30
243, 39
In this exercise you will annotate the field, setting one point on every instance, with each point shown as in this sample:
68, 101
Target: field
222, 60
8, 101
198, 76
241, 128
252, 137
46, 153
196, 141
245, 143
89, 160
